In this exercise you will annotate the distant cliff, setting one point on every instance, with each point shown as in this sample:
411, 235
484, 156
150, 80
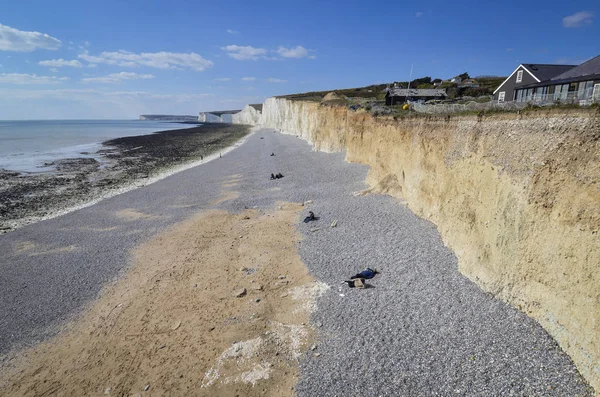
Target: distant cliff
167, 117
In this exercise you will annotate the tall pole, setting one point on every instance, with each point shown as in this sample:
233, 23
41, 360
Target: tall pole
409, 80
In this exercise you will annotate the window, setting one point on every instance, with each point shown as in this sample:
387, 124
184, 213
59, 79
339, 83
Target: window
519, 97
519, 76
596, 95
501, 96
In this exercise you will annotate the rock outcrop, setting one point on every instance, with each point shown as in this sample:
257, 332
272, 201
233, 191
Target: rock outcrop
515, 195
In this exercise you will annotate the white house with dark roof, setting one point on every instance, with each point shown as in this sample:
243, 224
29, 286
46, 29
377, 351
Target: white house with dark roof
524, 75
579, 85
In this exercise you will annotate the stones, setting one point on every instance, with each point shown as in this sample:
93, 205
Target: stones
175, 325
257, 300
257, 287
240, 293
147, 387
307, 202
334, 223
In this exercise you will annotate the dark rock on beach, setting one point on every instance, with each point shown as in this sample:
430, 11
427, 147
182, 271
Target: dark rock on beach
123, 161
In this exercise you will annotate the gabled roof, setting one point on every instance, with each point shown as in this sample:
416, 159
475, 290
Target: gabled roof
414, 92
587, 68
544, 71
538, 71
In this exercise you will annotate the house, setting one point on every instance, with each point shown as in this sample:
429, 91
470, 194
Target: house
469, 83
579, 85
402, 95
525, 74
456, 80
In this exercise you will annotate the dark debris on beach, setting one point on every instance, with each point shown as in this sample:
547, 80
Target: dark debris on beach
123, 161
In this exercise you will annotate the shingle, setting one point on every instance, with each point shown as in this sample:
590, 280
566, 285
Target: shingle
590, 67
546, 72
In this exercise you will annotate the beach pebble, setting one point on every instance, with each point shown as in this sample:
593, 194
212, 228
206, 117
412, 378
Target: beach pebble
282, 277
147, 387
257, 300
313, 347
240, 293
307, 202
175, 325
258, 287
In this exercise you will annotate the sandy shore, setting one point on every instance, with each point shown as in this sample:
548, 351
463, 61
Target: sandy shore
211, 306
124, 164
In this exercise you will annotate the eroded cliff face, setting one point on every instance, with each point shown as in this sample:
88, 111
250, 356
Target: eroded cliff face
516, 196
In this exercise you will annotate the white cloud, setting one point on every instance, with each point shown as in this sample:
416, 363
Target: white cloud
54, 70
273, 80
419, 14
248, 78
578, 19
298, 52
20, 78
87, 43
223, 79
91, 65
159, 60
59, 63
242, 53
12, 39
117, 77
232, 31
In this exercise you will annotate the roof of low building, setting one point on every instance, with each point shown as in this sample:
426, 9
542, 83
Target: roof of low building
591, 67
415, 92
545, 71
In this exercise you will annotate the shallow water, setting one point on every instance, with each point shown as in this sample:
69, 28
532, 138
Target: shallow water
26, 146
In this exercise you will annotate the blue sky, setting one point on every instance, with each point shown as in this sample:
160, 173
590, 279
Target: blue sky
116, 59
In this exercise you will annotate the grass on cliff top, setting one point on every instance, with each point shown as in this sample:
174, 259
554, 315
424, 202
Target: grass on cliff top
370, 91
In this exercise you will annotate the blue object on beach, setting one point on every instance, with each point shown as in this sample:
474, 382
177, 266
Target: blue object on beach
368, 273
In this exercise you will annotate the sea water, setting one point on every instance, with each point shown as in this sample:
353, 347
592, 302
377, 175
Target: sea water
25, 146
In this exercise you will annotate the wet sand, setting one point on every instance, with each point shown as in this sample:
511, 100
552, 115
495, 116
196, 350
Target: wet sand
25, 198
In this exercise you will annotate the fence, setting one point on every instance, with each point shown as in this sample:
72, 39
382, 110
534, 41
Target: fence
447, 108
536, 100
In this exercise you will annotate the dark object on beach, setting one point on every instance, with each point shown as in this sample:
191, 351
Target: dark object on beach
368, 273
279, 175
262, 137
356, 283
311, 217
272, 176
272, 154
